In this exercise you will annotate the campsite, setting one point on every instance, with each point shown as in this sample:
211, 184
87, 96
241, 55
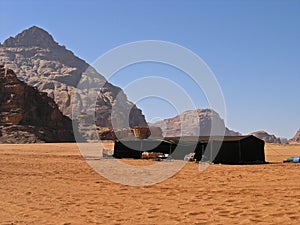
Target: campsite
149, 112
52, 184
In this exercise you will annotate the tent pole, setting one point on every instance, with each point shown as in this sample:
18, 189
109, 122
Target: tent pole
211, 150
240, 153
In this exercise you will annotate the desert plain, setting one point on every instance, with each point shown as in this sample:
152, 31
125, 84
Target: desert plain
53, 184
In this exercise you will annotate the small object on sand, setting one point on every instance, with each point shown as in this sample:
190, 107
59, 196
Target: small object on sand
152, 155
189, 157
295, 159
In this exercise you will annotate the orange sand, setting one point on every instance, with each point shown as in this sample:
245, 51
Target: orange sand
52, 184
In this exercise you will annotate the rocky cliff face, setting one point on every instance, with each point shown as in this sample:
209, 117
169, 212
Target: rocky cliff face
42, 63
284, 140
28, 116
194, 123
296, 138
268, 138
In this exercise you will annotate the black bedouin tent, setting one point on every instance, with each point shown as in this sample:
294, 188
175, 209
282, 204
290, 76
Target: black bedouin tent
231, 150
226, 150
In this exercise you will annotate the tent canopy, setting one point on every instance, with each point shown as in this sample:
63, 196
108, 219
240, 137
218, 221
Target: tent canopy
227, 150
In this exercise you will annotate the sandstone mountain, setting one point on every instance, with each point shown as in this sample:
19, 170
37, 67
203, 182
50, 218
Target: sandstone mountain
42, 63
268, 138
194, 123
28, 116
296, 138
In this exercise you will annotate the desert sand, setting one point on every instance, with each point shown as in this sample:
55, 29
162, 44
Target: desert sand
52, 184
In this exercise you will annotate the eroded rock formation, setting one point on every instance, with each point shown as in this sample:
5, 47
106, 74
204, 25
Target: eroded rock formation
42, 63
27, 115
268, 138
296, 138
195, 123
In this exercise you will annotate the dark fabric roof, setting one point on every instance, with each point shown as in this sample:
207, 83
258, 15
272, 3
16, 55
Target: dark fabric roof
195, 138
207, 138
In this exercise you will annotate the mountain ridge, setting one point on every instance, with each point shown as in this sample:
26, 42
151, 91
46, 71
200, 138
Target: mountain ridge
33, 36
42, 63
197, 122
268, 138
296, 138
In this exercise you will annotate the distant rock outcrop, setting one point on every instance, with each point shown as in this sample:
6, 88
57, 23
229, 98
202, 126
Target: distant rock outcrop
284, 140
41, 62
268, 138
296, 138
194, 123
105, 133
28, 116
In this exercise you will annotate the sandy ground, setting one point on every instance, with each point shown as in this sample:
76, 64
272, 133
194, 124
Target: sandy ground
52, 184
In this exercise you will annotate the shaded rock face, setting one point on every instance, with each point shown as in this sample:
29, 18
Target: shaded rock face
296, 138
268, 138
194, 123
42, 63
28, 116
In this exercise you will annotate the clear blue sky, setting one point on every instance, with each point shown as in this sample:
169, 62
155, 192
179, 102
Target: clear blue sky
253, 47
